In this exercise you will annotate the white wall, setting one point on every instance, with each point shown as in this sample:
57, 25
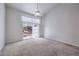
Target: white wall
42, 25
62, 24
2, 25
13, 25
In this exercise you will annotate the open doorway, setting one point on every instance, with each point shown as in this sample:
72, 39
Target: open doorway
30, 27
27, 30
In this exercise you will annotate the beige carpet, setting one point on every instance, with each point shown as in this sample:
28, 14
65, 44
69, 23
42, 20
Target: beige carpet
39, 47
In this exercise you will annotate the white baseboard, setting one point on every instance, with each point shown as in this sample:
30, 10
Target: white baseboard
72, 40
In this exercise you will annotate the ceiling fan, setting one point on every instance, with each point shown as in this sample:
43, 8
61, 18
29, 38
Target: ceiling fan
37, 12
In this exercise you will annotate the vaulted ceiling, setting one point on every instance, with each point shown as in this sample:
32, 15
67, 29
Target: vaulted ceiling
30, 7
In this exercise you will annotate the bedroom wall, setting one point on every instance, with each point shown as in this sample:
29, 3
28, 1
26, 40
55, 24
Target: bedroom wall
2, 25
13, 25
62, 24
42, 25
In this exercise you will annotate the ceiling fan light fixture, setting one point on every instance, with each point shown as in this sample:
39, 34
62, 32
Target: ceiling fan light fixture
37, 13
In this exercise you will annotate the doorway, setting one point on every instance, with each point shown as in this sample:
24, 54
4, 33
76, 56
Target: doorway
30, 27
